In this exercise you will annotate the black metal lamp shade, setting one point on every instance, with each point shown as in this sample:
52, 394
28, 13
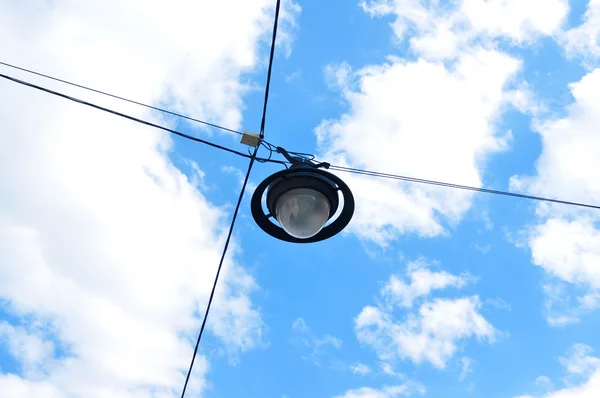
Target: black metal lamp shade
310, 178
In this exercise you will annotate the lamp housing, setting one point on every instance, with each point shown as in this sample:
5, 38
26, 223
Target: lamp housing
302, 200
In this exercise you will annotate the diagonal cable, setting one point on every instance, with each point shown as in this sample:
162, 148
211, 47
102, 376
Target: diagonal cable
263, 160
135, 119
269, 70
119, 97
237, 207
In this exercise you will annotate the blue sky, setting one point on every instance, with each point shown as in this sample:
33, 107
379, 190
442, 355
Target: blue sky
111, 232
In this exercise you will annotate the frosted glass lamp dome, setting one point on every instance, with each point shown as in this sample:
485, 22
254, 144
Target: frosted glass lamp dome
302, 212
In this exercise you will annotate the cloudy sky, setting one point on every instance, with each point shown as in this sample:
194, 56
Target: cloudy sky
110, 231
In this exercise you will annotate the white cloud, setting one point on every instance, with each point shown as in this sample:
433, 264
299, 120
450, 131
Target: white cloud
397, 110
316, 345
422, 282
519, 21
29, 348
589, 389
543, 382
569, 250
441, 30
566, 165
300, 325
292, 76
579, 363
101, 236
388, 369
560, 320
466, 367
498, 303
566, 239
360, 368
431, 334
483, 249
584, 40
329, 340
590, 301
406, 389
287, 31
560, 308
433, 113
14, 386
240, 176
570, 146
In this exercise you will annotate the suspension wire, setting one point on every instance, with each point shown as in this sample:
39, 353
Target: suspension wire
457, 186
271, 148
137, 120
241, 196
269, 70
120, 98
163, 110
212, 292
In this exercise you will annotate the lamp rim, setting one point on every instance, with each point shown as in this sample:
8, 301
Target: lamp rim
264, 220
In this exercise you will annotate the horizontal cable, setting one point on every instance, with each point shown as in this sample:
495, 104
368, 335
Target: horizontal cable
135, 119
457, 186
120, 98
263, 160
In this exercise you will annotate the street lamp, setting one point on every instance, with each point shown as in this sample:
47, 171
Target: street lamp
302, 200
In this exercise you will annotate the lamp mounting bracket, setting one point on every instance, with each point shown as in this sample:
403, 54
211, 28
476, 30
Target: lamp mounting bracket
299, 161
